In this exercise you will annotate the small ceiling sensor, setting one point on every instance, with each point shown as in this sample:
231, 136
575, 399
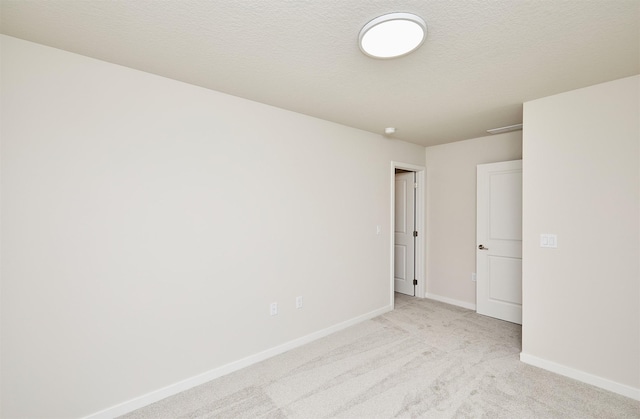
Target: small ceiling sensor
392, 35
389, 130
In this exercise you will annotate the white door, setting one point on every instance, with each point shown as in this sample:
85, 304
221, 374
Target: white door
404, 244
499, 241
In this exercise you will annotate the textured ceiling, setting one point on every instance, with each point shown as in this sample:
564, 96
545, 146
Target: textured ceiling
481, 59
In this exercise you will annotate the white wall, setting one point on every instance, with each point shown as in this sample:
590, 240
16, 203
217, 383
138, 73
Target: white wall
147, 224
451, 212
581, 307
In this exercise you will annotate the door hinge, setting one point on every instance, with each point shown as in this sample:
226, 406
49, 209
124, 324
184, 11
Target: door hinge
415, 185
415, 282
415, 234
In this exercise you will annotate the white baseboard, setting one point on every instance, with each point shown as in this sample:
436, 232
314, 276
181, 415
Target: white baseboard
170, 390
585, 377
451, 301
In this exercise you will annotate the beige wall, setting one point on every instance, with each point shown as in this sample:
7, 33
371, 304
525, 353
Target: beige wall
581, 308
451, 212
147, 224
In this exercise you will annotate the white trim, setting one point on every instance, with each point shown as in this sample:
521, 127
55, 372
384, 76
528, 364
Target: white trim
420, 226
451, 301
170, 390
585, 377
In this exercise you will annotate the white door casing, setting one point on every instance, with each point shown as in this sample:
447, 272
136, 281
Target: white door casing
499, 240
404, 226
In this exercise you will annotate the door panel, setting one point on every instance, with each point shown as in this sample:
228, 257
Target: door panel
401, 204
505, 217
504, 286
400, 262
404, 245
499, 231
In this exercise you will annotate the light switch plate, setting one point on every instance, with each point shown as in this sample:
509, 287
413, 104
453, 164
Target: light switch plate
549, 240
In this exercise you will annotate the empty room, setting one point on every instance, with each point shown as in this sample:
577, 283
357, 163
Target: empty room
319, 209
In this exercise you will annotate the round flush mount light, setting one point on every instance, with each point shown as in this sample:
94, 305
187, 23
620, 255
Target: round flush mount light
392, 35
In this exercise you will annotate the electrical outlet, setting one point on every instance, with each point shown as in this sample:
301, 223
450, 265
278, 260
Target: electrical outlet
299, 301
473, 277
273, 309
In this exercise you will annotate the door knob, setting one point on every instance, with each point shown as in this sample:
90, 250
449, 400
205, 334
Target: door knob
481, 247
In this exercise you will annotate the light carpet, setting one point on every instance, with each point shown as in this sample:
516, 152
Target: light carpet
425, 359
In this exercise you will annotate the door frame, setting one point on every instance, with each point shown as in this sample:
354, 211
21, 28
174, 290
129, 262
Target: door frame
420, 172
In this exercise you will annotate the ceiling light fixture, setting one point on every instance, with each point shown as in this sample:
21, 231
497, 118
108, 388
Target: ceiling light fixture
392, 35
509, 128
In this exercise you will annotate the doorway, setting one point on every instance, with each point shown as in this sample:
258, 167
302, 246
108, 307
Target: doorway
407, 224
405, 233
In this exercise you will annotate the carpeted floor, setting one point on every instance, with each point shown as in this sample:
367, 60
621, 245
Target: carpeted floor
424, 359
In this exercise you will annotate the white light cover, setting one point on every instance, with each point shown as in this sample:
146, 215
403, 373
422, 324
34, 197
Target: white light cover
392, 35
